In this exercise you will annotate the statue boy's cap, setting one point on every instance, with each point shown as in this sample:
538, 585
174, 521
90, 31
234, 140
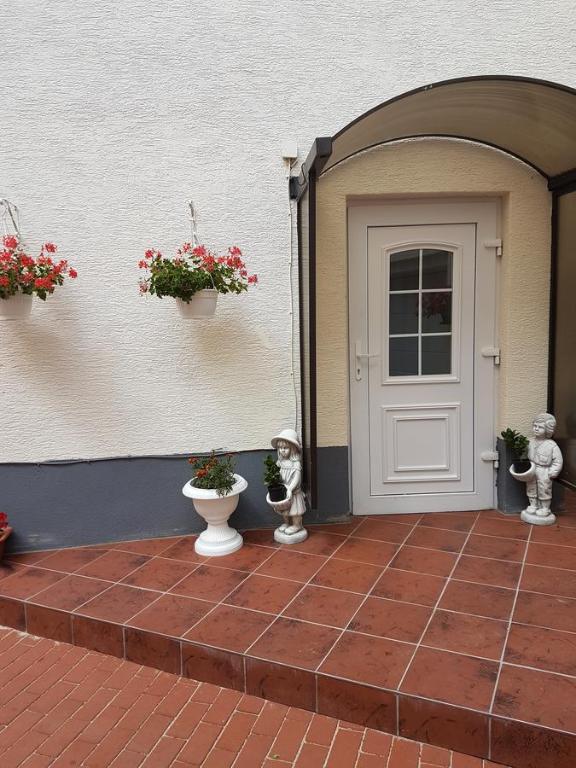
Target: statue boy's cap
290, 436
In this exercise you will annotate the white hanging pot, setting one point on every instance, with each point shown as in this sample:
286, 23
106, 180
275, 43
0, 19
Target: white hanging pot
17, 307
202, 304
218, 538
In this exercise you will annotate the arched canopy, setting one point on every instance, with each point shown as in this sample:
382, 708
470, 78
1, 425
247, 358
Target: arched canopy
533, 120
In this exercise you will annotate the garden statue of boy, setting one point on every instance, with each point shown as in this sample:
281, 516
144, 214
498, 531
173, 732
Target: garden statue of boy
293, 507
546, 457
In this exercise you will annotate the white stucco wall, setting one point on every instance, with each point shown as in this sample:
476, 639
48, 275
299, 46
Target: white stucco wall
115, 114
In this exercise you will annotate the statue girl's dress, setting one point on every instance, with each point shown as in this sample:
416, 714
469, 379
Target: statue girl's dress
293, 507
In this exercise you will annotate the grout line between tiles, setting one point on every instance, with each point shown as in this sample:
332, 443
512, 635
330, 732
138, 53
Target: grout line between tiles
501, 662
435, 608
399, 546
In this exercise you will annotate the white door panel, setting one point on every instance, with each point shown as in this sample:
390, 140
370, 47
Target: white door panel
422, 305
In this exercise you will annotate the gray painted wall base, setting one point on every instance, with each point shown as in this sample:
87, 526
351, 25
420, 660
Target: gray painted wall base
54, 505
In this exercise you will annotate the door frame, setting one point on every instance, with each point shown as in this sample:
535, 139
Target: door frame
485, 214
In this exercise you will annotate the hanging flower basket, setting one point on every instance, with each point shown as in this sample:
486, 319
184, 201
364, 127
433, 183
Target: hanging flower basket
195, 277
22, 277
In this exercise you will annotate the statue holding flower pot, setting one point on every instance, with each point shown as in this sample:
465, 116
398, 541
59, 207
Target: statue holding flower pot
293, 506
546, 463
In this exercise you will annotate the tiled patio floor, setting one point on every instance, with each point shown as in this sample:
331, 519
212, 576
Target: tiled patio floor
456, 629
63, 706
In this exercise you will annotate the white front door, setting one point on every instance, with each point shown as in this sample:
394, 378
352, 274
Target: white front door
422, 325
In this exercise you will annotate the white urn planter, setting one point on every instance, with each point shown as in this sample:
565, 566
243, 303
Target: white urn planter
219, 538
17, 307
202, 304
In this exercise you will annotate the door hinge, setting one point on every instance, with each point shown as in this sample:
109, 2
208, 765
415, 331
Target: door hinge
495, 243
493, 352
491, 456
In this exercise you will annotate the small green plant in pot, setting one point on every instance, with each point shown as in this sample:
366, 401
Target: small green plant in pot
517, 444
213, 472
5, 531
273, 479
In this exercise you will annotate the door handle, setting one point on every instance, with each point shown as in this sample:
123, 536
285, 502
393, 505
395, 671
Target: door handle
359, 357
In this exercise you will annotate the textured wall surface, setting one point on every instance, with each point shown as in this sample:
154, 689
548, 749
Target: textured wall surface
115, 114
442, 167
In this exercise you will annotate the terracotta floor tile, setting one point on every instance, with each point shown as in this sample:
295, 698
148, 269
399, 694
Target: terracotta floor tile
159, 573
530, 746
147, 546
114, 565
450, 521
509, 529
390, 618
345, 574
246, 559
546, 611
343, 529
537, 697
466, 634
332, 607
435, 538
171, 615
478, 600
209, 583
374, 660
407, 519
264, 593
118, 604
295, 643
549, 554
70, 560
409, 587
9, 568
554, 534
262, 537
70, 592
294, 566
28, 581
318, 543
383, 530
550, 581
27, 558
429, 561
444, 725
545, 649
365, 551
452, 678
496, 548
233, 629
183, 550
482, 570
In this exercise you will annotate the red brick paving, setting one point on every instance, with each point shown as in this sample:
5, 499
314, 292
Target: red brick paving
62, 706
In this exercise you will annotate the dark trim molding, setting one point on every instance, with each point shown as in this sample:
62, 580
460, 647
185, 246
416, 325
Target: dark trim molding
552, 310
563, 182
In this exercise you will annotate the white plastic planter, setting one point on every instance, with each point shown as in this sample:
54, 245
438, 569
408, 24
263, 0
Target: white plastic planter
218, 538
202, 304
17, 307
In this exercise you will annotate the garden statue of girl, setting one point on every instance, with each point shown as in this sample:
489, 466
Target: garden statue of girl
546, 459
293, 507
